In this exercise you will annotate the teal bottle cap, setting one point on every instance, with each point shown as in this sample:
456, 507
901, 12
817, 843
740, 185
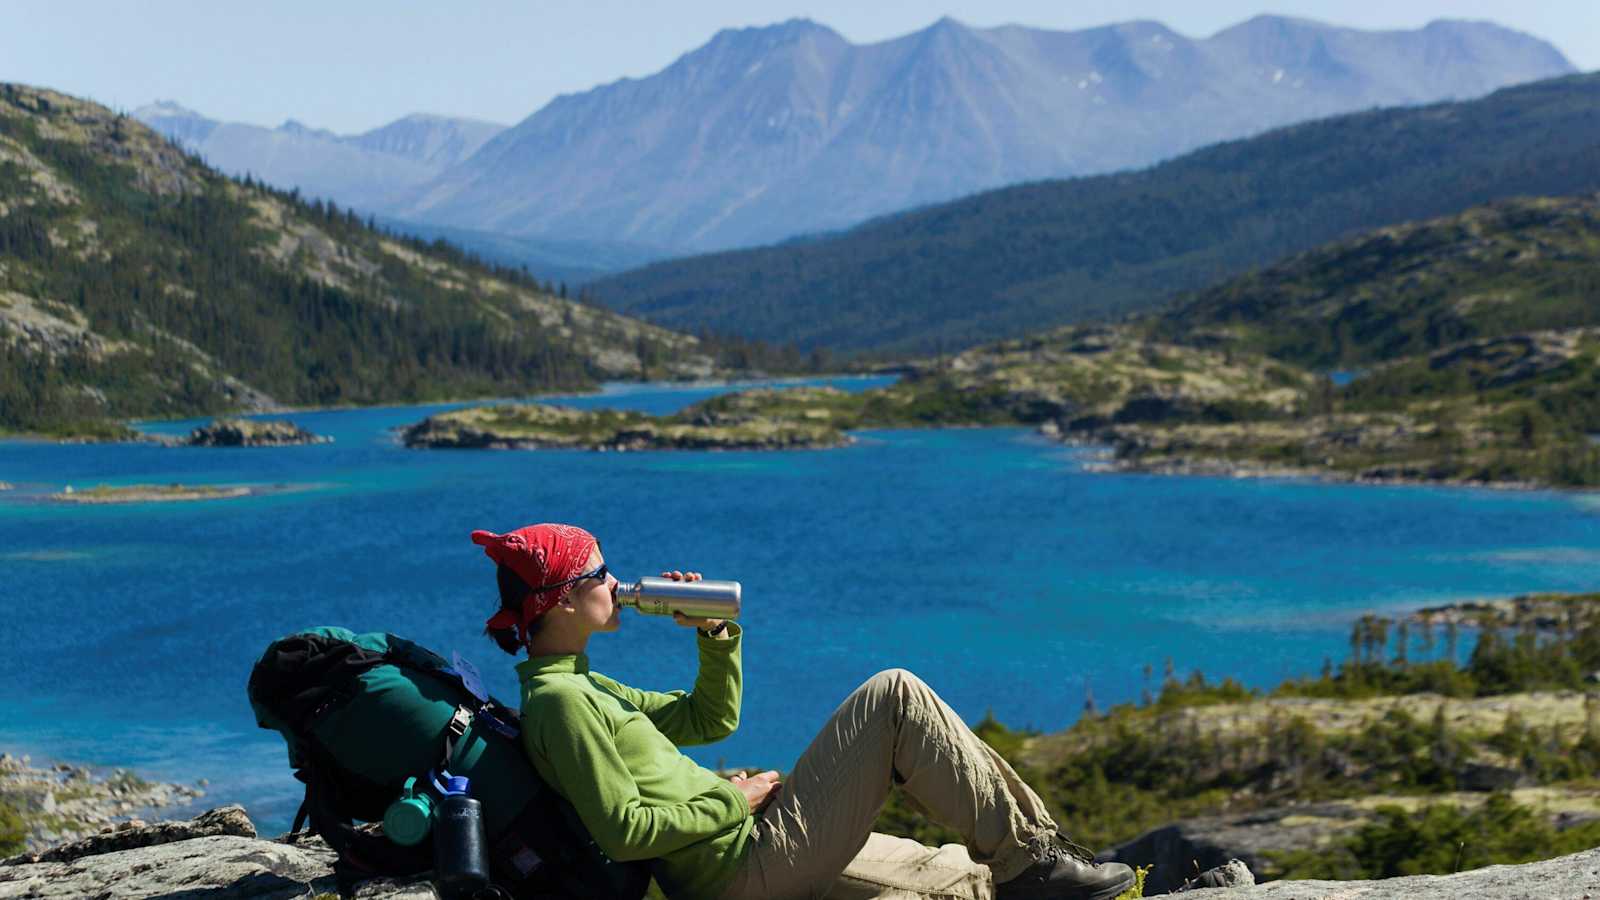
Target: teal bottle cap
408, 820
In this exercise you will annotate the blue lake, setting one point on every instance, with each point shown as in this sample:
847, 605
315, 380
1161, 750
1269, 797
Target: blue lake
986, 560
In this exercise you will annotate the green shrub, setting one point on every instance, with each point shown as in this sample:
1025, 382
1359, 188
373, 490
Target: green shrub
13, 832
1136, 892
1196, 691
1441, 839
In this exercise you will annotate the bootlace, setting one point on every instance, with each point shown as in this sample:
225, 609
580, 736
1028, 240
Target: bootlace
1058, 845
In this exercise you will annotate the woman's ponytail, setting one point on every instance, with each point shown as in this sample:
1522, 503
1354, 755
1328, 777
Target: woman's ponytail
513, 591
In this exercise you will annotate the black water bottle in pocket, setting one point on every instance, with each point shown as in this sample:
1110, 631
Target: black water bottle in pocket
460, 850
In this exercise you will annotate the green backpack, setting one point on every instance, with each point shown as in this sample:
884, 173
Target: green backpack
362, 713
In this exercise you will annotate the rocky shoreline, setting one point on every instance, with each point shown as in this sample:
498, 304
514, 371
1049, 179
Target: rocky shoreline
1220, 467
61, 802
1161, 407
1547, 613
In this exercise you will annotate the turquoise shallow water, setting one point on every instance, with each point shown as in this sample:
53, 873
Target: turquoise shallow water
986, 560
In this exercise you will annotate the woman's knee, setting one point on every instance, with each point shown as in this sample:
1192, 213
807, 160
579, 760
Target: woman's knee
900, 685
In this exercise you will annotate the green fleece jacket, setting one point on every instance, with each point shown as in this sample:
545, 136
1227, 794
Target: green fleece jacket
612, 751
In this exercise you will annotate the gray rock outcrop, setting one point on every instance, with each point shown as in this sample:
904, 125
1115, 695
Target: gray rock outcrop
225, 820
216, 855
1574, 877
223, 867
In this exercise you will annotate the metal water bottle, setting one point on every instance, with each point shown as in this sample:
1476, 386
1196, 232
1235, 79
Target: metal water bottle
460, 849
695, 599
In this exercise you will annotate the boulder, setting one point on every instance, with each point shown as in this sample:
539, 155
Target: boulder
1478, 776
1157, 407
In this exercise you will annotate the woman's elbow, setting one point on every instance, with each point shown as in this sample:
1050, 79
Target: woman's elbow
717, 729
626, 851
626, 842
708, 727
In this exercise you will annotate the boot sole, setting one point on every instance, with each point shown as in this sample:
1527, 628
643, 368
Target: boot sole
1109, 892
1105, 893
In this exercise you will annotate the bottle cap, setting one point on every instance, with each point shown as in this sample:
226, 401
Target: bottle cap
457, 784
408, 820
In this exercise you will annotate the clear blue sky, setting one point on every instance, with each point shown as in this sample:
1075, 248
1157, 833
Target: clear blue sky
350, 65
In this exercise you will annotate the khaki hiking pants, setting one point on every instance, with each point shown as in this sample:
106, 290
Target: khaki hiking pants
816, 840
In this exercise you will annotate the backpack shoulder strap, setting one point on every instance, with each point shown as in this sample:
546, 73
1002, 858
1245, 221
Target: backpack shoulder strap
494, 715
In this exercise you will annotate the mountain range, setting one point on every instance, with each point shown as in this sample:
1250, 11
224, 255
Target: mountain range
366, 170
767, 133
1011, 261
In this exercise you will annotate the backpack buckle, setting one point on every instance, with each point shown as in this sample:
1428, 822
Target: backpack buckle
460, 721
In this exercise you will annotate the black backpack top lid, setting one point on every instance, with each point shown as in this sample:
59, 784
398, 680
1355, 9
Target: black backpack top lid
303, 674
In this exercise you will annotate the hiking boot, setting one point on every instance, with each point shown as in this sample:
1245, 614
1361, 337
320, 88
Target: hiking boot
1063, 870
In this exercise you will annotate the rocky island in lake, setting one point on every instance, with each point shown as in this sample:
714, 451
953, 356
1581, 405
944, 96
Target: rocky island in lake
710, 425
248, 433
150, 493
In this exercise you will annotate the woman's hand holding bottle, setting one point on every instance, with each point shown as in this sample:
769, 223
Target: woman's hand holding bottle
680, 618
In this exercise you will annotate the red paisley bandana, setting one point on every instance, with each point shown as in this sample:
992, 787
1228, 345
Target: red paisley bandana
540, 554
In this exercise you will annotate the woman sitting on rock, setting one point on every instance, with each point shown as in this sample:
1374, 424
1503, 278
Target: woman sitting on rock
612, 752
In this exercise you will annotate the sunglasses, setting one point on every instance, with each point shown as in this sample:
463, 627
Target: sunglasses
599, 573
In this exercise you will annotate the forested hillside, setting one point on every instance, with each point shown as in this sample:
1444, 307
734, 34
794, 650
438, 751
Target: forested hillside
134, 281
1490, 272
1013, 261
